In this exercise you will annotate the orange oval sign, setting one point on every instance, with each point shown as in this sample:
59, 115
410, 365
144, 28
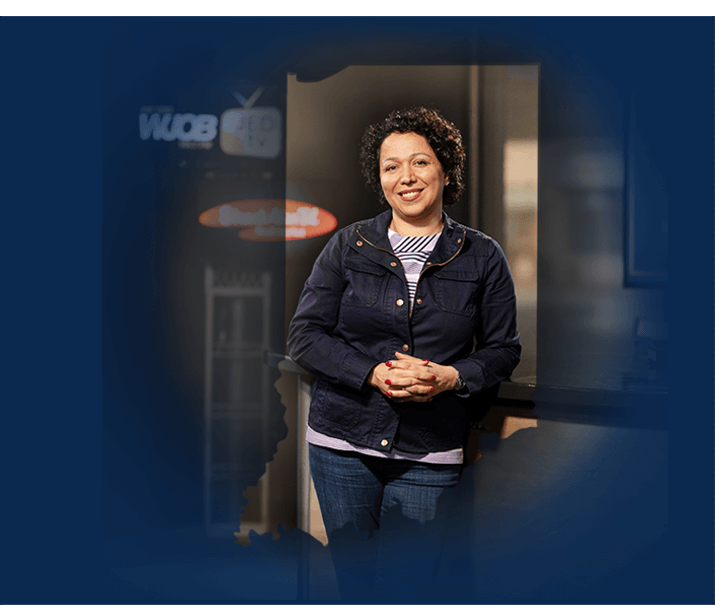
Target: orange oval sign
271, 220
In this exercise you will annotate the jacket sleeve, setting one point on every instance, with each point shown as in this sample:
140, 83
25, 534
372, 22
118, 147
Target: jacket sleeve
310, 335
497, 348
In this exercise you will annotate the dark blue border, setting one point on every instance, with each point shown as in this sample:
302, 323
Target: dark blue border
53, 481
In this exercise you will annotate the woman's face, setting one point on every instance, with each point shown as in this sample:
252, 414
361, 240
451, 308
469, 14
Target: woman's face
412, 178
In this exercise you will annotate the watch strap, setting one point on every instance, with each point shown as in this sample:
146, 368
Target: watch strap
460, 383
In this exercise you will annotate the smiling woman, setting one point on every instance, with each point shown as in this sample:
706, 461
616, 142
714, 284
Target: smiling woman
406, 320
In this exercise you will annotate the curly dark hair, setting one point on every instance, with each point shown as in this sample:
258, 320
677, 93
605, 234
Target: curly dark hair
442, 136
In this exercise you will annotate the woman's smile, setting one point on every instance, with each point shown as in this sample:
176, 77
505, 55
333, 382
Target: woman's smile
411, 195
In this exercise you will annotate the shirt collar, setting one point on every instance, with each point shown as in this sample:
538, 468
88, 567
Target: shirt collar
375, 231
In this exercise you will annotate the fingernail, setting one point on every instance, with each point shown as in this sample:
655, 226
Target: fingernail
426, 360
388, 393
388, 381
388, 364
434, 377
431, 388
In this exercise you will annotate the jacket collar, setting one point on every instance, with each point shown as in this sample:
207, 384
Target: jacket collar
450, 242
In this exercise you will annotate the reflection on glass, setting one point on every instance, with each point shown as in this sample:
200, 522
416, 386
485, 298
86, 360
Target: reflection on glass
520, 244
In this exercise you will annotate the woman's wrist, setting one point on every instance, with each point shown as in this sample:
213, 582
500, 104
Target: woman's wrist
372, 377
456, 382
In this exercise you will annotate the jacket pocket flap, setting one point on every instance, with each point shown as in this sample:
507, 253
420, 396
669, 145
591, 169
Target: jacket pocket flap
465, 274
365, 266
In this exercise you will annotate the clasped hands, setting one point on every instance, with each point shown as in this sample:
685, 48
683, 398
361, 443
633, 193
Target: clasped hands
409, 379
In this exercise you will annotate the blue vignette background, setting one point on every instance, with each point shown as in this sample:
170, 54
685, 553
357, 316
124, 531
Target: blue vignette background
92, 452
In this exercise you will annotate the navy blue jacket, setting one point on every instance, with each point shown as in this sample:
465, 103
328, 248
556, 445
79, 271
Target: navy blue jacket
354, 313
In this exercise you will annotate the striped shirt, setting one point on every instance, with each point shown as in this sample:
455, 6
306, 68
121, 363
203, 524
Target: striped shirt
413, 252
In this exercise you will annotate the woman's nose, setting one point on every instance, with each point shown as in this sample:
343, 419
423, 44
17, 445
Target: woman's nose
407, 175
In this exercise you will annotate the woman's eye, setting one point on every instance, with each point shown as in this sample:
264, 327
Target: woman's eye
421, 162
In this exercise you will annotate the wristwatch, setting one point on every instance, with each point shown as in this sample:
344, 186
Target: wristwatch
460, 383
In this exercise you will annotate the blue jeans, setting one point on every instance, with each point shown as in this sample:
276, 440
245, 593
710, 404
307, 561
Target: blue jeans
376, 513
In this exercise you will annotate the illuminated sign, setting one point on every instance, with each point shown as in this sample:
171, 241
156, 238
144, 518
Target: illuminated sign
246, 131
254, 132
271, 220
182, 126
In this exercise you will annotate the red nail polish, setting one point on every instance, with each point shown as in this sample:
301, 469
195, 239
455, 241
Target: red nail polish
426, 360
388, 393
434, 377
388, 381
388, 363
431, 388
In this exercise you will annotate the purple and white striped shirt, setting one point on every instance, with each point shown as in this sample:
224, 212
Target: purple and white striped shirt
413, 252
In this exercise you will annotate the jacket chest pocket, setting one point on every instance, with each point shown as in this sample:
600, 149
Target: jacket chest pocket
455, 290
364, 280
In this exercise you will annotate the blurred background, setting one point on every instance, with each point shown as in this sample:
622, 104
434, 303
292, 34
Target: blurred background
201, 420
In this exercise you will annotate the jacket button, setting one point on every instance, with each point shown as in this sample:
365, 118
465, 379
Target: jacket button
384, 443
359, 243
458, 241
393, 264
400, 302
405, 347
419, 300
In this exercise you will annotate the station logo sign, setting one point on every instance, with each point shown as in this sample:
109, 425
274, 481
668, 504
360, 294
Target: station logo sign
246, 131
268, 220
